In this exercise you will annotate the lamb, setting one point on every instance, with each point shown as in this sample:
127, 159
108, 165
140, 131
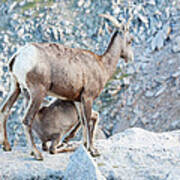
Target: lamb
41, 69
57, 120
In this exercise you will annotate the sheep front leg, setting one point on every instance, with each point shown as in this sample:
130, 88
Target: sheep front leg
79, 109
86, 106
86, 103
86, 111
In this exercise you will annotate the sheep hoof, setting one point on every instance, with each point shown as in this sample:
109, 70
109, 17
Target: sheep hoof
38, 156
44, 148
6, 146
85, 144
52, 151
94, 152
32, 153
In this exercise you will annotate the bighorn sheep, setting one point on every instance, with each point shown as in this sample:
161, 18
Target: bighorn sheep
74, 74
58, 119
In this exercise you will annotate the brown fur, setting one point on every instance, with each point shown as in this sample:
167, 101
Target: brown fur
56, 120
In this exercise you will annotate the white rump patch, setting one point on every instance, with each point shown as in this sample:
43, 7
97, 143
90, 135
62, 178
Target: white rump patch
25, 61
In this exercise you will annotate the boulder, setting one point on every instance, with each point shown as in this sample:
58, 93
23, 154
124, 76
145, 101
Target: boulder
134, 154
82, 166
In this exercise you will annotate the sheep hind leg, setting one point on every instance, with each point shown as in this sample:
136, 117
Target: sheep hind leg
5, 110
86, 111
37, 93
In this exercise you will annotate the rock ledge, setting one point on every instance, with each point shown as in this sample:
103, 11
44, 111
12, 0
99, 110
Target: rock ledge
134, 154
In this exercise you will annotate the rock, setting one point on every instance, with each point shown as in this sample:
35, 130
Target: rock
178, 92
144, 19
160, 91
80, 3
18, 164
149, 94
173, 174
145, 121
175, 125
20, 32
176, 45
156, 115
119, 126
134, 121
82, 166
176, 74
126, 81
152, 2
130, 70
143, 154
100, 134
158, 41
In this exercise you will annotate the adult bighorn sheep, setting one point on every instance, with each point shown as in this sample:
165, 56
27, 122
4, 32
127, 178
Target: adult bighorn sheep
73, 74
57, 120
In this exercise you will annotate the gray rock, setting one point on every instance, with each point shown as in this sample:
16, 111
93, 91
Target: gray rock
145, 121
158, 41
126, 81
175, 125
176, 74
18, 164
173, 174
176, 45
82, 166
152, 2
80, 3
160, 91
130, 70
143, 154
149, 94
134, 121
100, 134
